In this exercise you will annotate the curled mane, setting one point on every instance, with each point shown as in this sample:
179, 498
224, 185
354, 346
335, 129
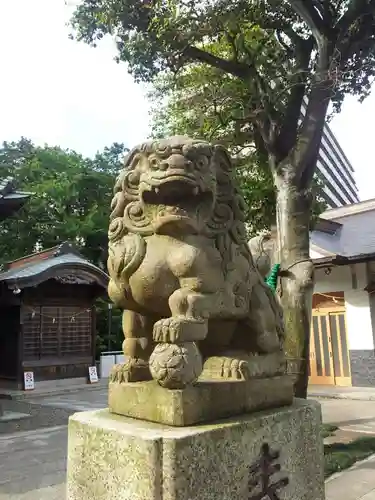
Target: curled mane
125, 192
227, 223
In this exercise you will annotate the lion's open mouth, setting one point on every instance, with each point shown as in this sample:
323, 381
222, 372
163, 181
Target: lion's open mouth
176, 192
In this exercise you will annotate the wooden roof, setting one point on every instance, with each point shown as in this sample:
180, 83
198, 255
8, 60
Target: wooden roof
63, 263
345, 234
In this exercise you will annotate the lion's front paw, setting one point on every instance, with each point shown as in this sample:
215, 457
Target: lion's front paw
226, 367
133, 370
235, 369
116, 374
179, 329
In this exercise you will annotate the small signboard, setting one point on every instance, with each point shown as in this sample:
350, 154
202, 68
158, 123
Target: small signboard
28, 379
93, 375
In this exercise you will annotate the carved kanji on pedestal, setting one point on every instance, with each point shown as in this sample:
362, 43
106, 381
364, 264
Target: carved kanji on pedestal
261, 486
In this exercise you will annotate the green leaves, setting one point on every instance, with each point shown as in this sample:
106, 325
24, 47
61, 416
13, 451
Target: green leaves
202, 102
264, 41
240, 69
71, 199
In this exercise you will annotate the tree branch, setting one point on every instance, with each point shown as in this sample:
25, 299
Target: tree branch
238, 69
219, 116
312, 131
304, 154
232, 42
306, 9
355, 9
327, 11
259, 142
361, 14
287, 137
285, 46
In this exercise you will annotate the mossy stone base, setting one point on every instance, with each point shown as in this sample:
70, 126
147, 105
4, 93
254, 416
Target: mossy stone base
203, 402
112, 457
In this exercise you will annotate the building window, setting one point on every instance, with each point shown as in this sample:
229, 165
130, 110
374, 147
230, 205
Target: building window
31, 333
75, 331
59, 331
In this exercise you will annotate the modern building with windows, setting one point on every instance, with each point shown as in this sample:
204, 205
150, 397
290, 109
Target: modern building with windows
336, 172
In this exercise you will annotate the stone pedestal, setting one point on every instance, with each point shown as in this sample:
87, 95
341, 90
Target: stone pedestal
111, 457
204, 401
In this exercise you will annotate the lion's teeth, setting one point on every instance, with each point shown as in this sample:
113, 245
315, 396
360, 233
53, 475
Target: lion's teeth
195, 190
156, 190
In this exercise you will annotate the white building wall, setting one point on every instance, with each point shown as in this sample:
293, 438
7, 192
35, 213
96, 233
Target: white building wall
351, 280
339, 280
314, 254
358, 321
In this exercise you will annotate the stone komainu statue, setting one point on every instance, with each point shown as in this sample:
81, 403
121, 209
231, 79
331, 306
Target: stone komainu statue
181, 269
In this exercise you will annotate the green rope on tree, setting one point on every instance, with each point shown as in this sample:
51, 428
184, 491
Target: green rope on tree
271, 279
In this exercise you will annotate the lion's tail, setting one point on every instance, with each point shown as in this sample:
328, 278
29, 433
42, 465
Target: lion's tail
125, 256
135, 251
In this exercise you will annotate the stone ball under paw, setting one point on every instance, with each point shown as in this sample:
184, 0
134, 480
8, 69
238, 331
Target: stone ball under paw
174, 366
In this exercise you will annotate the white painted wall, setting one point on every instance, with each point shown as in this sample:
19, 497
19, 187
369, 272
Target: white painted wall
358, 320
357, 302
314, 254
340, 279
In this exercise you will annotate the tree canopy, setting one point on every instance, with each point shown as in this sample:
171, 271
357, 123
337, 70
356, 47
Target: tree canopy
71, 199
202, 102
249, 65
271, 44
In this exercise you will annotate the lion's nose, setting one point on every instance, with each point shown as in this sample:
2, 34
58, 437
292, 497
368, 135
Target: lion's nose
177, 162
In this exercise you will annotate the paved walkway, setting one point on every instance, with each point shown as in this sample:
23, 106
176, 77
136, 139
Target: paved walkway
353, 410
351, 416
356, 483
33, 464
79, 401
54, 390
335, 392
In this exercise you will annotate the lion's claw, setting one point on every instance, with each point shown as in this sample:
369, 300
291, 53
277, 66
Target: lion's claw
236, 369
167, 330
133, 370
179, 329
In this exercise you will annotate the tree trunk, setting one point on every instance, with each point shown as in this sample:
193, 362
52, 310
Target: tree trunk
293, 210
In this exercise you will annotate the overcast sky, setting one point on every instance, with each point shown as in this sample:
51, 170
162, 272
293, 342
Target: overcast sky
59, 92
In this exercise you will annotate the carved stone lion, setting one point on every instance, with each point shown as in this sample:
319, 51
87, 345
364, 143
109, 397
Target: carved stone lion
180, 266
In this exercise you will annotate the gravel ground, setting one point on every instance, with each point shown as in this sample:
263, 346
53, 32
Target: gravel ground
40, 416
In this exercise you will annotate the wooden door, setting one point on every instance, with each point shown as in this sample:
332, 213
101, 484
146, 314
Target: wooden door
341, 362
321, 361
329, 356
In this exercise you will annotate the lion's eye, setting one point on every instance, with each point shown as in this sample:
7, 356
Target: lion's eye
201, 162
154, 163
